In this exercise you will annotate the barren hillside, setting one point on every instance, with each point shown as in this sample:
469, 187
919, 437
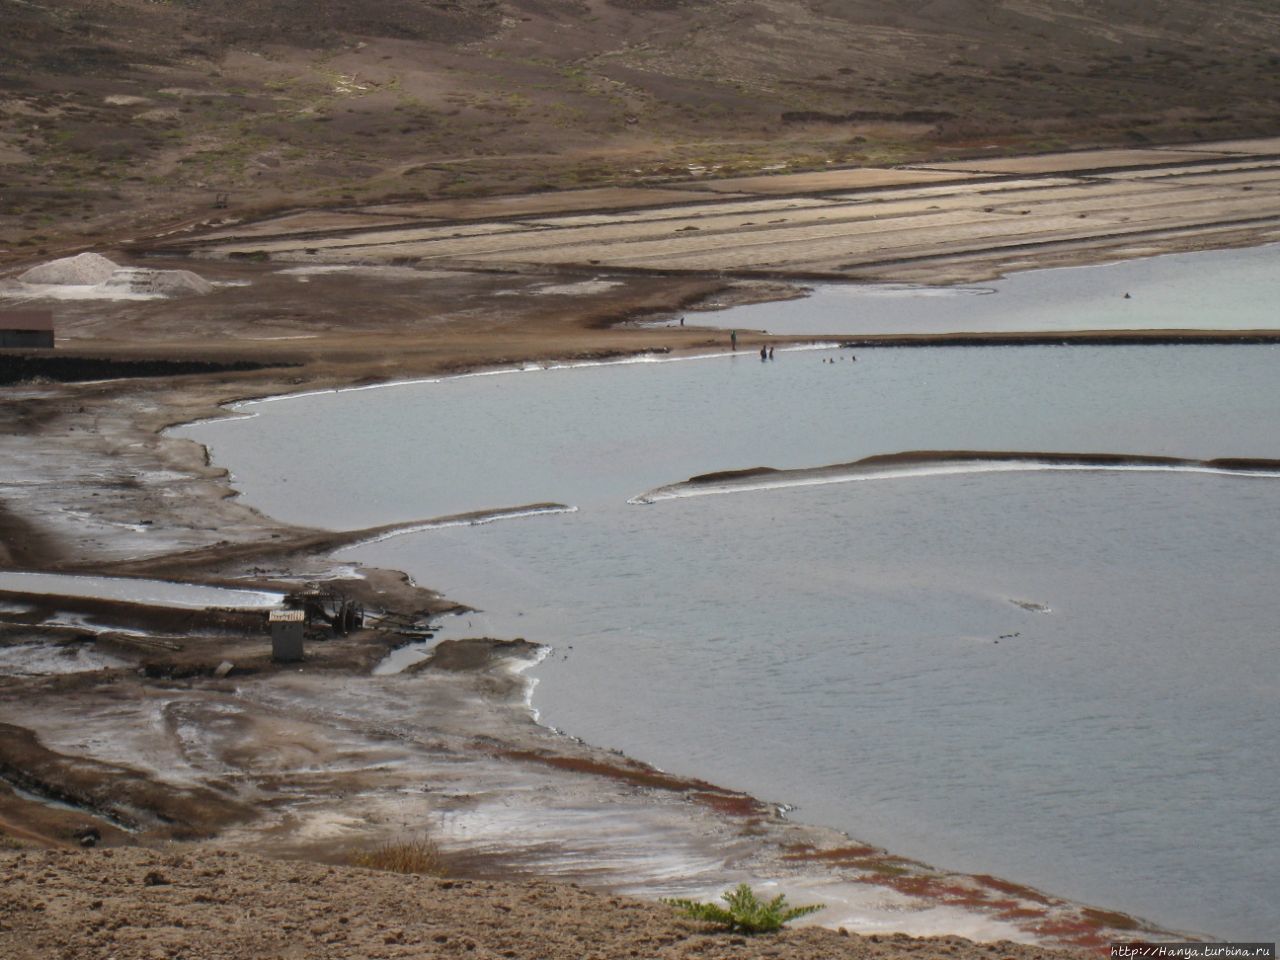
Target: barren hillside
116, 113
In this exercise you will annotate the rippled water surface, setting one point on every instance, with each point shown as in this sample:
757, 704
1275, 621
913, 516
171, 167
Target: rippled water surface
1064, 677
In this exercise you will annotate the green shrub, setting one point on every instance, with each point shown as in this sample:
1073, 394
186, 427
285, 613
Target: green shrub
746, 913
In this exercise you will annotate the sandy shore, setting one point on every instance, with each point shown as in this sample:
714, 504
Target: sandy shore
152, 746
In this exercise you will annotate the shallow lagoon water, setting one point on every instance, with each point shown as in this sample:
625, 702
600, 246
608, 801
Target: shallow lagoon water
1063, 677
159, 593
1216, 290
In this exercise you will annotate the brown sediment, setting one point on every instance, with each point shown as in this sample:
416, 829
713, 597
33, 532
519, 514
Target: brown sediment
1080, 933
1242, 464
1018, 890
626, 770
805, 852
22, 543
872, 863
473, 654
124, 797
732, 804
733, 474
1110, 918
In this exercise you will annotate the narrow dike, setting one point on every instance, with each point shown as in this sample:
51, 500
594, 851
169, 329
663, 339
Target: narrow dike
936, 462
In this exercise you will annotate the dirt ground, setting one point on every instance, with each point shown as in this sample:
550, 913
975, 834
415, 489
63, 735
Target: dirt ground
206, 904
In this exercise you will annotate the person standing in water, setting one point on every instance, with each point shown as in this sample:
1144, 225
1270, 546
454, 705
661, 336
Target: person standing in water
733, 339
764, 354
771, 353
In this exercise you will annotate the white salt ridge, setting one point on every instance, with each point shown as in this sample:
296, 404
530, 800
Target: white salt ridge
575, 289
48, 659
784, 479
477, 520
82, 269
90, 276
158, 593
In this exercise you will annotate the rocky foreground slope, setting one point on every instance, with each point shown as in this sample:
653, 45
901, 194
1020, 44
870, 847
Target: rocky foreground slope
205, 904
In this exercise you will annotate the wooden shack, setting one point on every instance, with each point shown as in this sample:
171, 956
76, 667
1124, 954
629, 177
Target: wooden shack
26, 328
287, 627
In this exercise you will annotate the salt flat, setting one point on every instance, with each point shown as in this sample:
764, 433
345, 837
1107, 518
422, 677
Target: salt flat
962, 221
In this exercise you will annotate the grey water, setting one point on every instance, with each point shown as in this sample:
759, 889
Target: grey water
159, 593
1213, 290
1067, 678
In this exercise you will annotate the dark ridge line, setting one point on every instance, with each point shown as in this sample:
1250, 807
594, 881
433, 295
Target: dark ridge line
1067, 338
749, 472
941, 165
19, 367
927, 456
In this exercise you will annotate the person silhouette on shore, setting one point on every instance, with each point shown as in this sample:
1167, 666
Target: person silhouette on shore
733, 339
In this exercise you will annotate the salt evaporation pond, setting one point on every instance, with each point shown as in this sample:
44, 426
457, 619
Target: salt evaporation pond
158, 593
1217, 290
46, 659
1065, 677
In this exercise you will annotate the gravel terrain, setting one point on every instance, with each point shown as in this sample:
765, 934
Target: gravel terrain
206, 904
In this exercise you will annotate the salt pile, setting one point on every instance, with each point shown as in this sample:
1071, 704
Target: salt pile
82, 269
90, 276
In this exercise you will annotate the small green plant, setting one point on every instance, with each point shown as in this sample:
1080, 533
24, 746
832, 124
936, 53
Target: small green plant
746, 912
